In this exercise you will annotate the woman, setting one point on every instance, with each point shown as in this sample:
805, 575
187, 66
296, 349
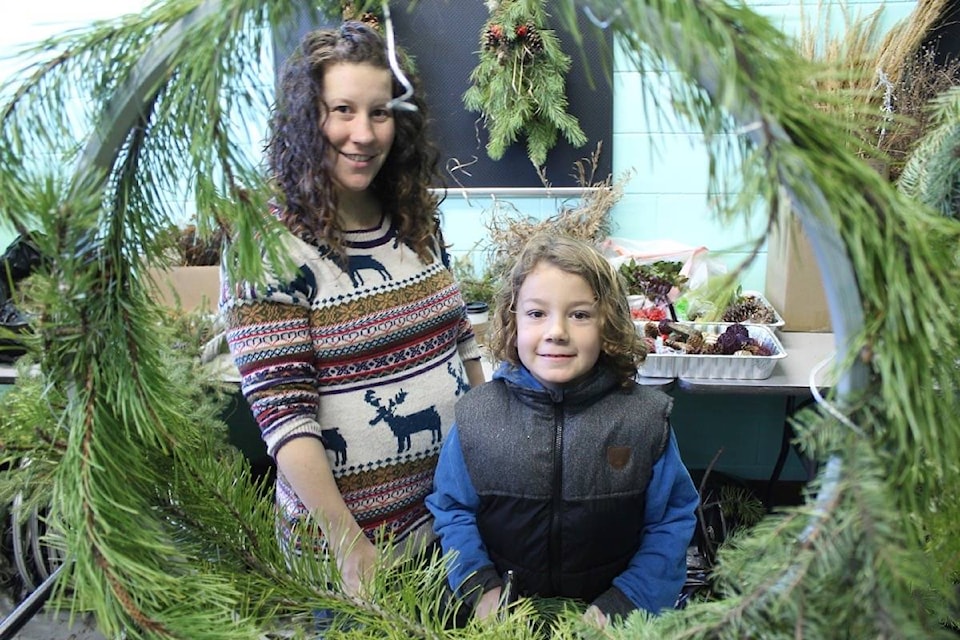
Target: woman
352, 367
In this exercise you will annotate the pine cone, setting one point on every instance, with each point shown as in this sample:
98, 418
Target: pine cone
651, 330
492, 37
710, 349
534, 40
371, 20
748, 309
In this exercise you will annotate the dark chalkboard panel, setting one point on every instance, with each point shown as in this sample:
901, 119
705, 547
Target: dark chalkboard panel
443, 36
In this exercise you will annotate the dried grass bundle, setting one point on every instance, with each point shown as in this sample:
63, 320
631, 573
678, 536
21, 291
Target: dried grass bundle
903, 42
921, 80
589, 220
882, 83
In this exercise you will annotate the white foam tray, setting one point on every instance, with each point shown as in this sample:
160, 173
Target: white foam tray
778, 321
680, 365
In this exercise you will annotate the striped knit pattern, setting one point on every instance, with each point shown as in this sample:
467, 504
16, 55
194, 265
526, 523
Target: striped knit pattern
368, 359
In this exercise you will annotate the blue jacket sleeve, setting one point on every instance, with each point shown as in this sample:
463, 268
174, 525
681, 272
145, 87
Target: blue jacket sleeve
655, 576
454, 504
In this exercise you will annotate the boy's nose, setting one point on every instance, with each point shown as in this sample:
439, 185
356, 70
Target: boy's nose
558, 330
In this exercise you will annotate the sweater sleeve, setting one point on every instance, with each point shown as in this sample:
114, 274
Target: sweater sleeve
269, 339
454, 504
656, 574
467, 345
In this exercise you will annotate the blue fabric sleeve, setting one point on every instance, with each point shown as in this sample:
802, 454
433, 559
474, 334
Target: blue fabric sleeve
656, 574
454, 504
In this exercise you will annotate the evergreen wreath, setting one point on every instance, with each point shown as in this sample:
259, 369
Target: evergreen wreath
518, 85
161, 529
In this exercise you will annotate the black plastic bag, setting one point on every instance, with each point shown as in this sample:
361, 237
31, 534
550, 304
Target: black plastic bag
18, 261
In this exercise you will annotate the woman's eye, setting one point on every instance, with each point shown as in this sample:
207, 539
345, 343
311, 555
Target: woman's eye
342, 108
582, 315
381, 115
535, 313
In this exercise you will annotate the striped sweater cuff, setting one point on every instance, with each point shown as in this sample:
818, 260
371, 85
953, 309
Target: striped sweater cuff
296, 428
469, 349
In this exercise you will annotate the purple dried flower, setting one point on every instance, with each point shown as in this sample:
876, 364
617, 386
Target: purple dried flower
733, 339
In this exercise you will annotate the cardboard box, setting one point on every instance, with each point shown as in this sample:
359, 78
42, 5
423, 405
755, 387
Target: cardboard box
794, 286
188, 288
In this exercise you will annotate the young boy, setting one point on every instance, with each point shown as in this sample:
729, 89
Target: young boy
563, 469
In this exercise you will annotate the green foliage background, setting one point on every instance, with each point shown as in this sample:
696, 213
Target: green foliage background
164, 532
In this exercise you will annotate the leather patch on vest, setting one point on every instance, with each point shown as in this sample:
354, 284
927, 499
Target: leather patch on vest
618, 457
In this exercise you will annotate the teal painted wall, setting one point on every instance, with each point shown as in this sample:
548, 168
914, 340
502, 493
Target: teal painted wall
665, 199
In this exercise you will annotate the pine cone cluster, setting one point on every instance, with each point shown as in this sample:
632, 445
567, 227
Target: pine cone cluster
749, 309
525, 36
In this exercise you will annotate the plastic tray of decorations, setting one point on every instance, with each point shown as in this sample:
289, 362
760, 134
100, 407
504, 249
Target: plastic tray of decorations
747, 308
718, 350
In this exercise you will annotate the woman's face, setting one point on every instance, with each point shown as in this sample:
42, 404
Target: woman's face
359, 126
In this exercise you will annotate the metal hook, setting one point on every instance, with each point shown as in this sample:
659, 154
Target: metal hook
603, 24
400, 102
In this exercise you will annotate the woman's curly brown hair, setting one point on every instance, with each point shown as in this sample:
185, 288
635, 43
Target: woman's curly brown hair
621, 346
297, 148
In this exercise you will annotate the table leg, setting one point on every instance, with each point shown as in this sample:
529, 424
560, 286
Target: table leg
785, 440
793, 405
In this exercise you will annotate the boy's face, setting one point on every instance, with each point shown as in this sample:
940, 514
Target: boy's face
558, 328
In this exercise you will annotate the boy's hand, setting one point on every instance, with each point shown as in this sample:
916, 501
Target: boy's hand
594, 616
488, 605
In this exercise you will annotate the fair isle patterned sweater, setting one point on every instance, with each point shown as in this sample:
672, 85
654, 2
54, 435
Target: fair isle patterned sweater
368, 360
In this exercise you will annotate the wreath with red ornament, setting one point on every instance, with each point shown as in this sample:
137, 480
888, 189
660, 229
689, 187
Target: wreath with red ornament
519, 85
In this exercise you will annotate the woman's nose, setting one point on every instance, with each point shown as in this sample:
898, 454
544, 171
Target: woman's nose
362, 130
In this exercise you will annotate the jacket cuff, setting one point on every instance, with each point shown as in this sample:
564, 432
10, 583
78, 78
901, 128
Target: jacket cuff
478, 584
614, 603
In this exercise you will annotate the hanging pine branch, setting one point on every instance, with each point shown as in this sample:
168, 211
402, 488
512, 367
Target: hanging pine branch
932, 171
519, 85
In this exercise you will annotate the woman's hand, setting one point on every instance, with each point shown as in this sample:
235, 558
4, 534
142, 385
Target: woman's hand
488, 605
357, 566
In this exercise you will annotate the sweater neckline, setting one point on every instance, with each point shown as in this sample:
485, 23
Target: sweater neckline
372, 236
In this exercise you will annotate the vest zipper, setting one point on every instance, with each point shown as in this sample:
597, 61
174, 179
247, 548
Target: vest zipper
556, 511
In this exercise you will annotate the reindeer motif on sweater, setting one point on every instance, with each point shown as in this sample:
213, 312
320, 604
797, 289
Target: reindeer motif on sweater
403, 426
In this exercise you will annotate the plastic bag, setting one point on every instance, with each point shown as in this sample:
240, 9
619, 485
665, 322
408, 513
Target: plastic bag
698, 267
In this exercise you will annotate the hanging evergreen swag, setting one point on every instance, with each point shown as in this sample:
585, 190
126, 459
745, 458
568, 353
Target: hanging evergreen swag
518, 85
